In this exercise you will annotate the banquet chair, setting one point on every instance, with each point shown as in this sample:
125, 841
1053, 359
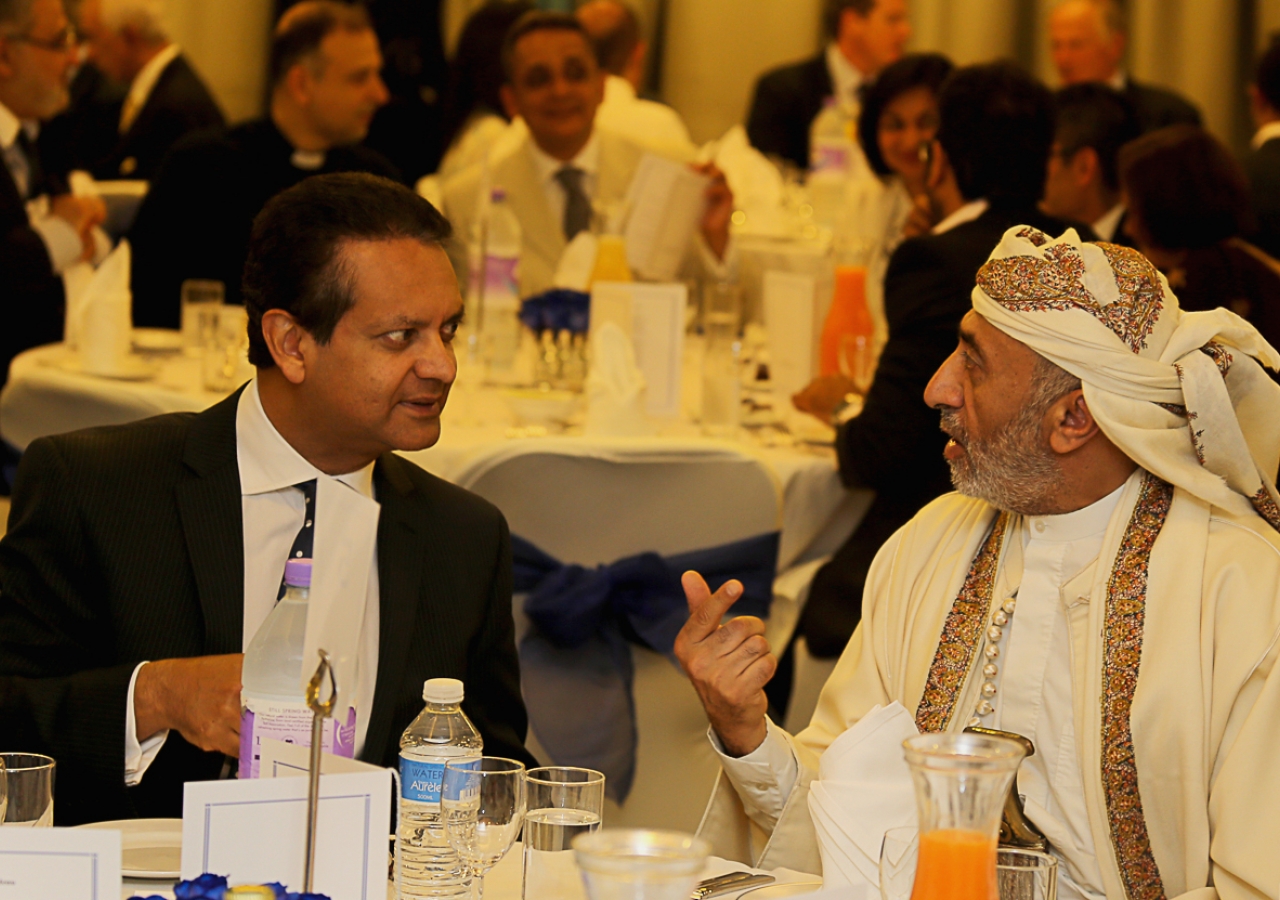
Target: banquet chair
593, 503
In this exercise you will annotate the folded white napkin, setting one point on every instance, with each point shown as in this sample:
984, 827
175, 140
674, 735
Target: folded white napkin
103, 312
615, 386
577, 263
756, 184
863, 789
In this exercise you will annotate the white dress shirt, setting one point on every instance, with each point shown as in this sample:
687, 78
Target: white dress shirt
846, 79
645, 122
588, 160
272, 513
1034, 700
1107, 226
966, 213
143, 84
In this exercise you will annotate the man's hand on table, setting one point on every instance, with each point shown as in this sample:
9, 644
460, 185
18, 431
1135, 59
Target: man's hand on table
198, 697
823, 396
83, 214
728, 664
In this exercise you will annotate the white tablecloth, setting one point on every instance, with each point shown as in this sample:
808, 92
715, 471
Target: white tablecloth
42, 398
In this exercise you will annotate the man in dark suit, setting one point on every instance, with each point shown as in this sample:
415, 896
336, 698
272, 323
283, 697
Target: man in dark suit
865, 36
993, 142
164, 540
43, 229
1093, 122
195, 220
1262, 164
1087, 41
166, 98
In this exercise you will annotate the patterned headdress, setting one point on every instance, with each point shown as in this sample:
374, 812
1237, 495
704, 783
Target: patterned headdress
1182, 394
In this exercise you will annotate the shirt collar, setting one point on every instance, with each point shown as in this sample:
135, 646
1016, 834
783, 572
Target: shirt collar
588, 159
9, 125
145, 81
845, 77
966, 213
1084, 523
1266, 133
1105, 228
618, 90
268, 462
1119, 81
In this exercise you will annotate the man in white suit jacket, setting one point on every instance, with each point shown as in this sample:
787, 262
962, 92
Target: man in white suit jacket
555, 85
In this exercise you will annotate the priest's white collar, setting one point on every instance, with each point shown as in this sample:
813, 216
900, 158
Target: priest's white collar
269, 463
1267, 132
1091, 521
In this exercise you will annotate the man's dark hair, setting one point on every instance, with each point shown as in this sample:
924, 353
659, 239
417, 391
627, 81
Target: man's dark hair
1184, 188
915, 70
1097, 116
475, 74
294, 260
833, 11
615, 46
996, 126
1267, 75
537, 20
304, 25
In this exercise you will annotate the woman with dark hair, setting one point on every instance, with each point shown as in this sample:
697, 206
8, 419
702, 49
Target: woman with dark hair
473, 113
1188, 204
899, 118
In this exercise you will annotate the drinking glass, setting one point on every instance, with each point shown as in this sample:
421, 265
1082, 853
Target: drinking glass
857, 361
226, 349
898, 854
200, 302
4, 789
29, 789
1026, 875
484, 804
563, 803
637, 864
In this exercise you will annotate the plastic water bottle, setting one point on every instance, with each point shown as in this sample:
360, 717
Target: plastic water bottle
429, 867
272, 702
831, 161
501, 301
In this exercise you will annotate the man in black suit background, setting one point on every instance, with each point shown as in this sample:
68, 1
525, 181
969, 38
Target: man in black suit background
165, 99
992, 147
195, 221
164, 540
1262, 164
1082, 184
865, 36
1087, 41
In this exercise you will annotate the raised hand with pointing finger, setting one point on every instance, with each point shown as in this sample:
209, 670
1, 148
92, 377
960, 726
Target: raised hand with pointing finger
728, 664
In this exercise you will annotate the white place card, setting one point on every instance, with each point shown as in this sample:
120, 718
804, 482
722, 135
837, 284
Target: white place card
67, 863
794, 329
652, 315
666, 201
253, 832
281, 760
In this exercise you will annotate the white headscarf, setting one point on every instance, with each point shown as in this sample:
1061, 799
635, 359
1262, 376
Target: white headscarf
1182, 394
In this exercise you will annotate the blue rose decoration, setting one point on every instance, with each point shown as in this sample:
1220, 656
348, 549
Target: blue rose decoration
214, 887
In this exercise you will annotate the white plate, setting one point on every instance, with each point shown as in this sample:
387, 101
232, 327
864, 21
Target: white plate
130, 368
778, 890
157, 340
150, 848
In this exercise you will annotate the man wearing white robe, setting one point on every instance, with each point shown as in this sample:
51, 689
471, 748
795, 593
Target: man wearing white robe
1119, 458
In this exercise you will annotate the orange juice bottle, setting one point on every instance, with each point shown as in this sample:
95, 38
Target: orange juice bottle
955, 864
848, 316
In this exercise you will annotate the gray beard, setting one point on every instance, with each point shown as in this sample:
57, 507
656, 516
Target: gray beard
1014, 471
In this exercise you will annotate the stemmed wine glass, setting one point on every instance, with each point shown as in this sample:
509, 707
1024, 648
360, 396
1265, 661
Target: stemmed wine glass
857, 361
484, 805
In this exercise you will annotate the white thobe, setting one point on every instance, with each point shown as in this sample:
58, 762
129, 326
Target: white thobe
273, 512
1034, 699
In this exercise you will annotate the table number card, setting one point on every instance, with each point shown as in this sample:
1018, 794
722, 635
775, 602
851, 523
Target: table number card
793, 328
66, 863
254, 831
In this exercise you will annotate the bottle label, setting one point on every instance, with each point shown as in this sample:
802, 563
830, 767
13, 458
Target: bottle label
832, 157
420, 779
501, 285
291, 724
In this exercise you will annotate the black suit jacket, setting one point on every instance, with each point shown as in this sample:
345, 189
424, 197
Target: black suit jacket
126, 544
1158, 107
895, 445
1263, 168
88, 128
196, 219
31, 297
178, 105
786, 102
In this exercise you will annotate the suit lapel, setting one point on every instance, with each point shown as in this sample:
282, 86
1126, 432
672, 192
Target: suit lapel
400, 562
618, 162
542, 234
209, 504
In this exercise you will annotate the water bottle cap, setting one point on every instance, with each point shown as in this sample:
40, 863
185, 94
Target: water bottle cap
442, 690
297, 573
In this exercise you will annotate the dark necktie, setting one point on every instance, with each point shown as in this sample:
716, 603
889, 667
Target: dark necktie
35, 171
305, 541
577, 208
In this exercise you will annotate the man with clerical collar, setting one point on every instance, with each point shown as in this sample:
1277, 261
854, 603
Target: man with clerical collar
195, 221
565, 169
165, 99
1106, 583
865, 36
141, 559
1093, 122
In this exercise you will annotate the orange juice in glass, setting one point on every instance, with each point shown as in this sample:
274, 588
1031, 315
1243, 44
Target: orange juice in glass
955, 864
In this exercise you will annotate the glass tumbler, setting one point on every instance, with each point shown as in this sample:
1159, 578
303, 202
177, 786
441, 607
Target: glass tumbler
29, 780
637, 864
564, 802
